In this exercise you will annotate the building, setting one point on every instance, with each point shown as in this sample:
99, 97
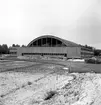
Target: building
49, 45
86, 52
13, 50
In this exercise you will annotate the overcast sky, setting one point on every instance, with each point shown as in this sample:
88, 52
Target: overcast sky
76, 20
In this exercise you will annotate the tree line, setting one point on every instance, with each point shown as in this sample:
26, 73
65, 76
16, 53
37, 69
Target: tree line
4, 49
17, 45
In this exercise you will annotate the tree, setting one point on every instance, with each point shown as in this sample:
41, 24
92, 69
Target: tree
4, 49
23, 45
13, 45
97, 52
90, 47
0, 49
17, 45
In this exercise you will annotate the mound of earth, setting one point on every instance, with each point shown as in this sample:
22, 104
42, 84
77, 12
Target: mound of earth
19, 88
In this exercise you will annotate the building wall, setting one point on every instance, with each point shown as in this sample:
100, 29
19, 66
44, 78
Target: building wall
86, 52
72, 52
13, 50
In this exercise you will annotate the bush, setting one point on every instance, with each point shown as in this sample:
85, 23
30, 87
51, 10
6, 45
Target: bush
50, 94
29, 83
93, 60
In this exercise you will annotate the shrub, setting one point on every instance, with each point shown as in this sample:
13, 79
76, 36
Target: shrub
50, 94
29, 83
93, 60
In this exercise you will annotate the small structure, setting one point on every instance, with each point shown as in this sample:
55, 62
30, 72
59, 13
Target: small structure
13, 50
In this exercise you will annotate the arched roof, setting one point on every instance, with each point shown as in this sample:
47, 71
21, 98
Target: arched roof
66, 42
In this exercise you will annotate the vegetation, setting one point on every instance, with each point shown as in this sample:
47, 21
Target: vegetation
93, 60
50, 94
4, 49
89, 47
13, 45
97, 52
86, 46
17, 45
23, 45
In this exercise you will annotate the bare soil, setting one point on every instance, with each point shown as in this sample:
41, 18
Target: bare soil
49, 83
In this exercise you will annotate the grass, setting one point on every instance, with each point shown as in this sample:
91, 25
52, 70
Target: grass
84, 67
81, 67
73, 66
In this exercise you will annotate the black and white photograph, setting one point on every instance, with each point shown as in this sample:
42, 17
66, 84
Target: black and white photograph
50, 52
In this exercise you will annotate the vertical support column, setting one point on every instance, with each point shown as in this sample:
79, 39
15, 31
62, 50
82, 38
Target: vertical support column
46, 40
51, 42
37, 42
41, 43
56, 42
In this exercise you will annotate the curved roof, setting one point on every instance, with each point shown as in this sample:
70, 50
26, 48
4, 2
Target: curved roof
66, 42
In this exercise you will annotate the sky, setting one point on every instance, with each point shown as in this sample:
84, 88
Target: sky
79, 21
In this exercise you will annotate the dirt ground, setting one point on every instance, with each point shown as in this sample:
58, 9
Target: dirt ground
42, 83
